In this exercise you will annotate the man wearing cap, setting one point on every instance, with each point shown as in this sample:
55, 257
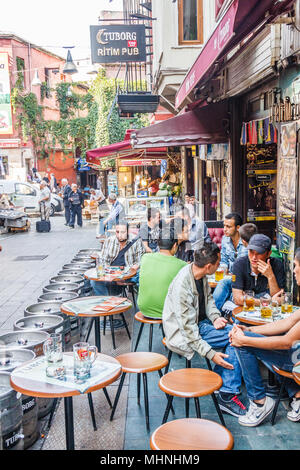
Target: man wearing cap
257, 271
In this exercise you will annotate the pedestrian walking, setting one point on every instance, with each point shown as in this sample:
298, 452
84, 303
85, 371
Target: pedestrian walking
53, 183
76, 200
66, 191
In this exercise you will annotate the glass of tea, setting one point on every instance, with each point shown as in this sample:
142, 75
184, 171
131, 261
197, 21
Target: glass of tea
287, 303
266, 310
219, 274
249, 301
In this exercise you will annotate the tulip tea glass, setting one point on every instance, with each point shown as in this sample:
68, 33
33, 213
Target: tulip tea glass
249, 301
84, 357
219, 274
53, 351
287, 303
266, 310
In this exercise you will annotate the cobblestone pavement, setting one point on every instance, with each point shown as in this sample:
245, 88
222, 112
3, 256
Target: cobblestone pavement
21, 284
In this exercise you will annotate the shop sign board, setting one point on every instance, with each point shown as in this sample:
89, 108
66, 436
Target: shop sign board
9, 143
6, 125
145, 162
118, 43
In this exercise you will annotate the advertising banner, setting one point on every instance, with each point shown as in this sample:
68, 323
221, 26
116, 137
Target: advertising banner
261, 188
6, 127
118, 43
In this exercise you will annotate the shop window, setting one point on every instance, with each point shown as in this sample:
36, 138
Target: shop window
190, 16
47, 84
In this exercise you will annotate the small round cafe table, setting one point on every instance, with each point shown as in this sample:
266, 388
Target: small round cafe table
250, 321
40, 388
118, 310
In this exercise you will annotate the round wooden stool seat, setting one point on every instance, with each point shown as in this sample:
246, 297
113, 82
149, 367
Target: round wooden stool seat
140, 317
283, 373
142, 362
191, 434
190, 383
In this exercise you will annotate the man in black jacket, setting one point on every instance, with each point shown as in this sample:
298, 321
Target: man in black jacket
76, 200
66, 191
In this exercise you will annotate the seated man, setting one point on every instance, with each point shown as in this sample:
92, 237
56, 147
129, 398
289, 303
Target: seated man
223, 292
156, 274
149, 231
116, 213
197, 228
232, 246
192, 324
117, 250
257, 272
181, 228
276, 343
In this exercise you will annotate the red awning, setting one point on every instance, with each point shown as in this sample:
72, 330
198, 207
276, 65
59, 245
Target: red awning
124, 150
242, 17
206, 125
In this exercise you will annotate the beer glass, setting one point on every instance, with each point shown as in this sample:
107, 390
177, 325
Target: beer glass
266, 306
219, 274
53, 351
84, 357
249, 301
287, 303
99, 267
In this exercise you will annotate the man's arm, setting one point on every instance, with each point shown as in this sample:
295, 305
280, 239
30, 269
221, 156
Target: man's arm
266, 270
278, 327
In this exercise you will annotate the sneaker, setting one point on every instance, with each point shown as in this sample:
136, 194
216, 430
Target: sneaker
257, 414
232, 405
294, 414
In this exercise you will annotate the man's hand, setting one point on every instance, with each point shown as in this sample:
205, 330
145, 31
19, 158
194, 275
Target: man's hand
265, 268
237, 337
220, 323
278, 297
219, 360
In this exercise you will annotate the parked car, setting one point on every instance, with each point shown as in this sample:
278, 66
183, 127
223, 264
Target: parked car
27, 195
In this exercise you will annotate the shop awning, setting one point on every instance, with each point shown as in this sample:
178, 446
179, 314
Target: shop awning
242, 18
206, 125
111, 149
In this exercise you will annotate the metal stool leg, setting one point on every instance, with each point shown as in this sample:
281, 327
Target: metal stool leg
160, 375
188, 363
125, 323
139, 336
167, 412
112, 331
197, 406
208, 364
107, 397
187, 407
146, 399
169, 359
131, 290
138, 389
104, 325
91, 405
278, 401
218, 409
150, 337
117, 396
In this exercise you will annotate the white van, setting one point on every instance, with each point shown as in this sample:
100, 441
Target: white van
27, 195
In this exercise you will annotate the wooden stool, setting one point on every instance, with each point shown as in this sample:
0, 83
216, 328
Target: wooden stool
286, 375
191, 383
143, 320
191, 434
187, 361
139, 363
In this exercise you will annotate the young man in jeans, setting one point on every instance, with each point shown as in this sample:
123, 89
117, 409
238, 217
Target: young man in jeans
192, 324
276, 343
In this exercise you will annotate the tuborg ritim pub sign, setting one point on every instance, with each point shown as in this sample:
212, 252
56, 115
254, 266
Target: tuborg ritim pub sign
118, 43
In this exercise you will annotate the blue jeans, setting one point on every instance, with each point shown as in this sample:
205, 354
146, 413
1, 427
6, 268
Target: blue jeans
248, 358
222, 292
218, 339
105, 288
110, 224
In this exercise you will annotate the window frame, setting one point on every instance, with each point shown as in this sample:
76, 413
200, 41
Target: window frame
200, 35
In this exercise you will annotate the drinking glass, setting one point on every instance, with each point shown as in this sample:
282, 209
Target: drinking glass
266, 306
249, 301
287, 303
53, 351
84, 357
219, 274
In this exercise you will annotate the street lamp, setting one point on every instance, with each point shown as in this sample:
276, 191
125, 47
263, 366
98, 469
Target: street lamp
70, 67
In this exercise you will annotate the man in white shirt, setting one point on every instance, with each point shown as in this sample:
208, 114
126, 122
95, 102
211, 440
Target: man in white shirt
45, 200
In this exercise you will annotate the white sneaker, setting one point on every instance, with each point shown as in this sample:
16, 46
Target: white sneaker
256, 414
294, 414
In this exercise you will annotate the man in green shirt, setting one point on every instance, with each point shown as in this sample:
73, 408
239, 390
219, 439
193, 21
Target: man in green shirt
157, 271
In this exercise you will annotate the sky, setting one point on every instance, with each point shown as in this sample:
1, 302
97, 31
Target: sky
56, 23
